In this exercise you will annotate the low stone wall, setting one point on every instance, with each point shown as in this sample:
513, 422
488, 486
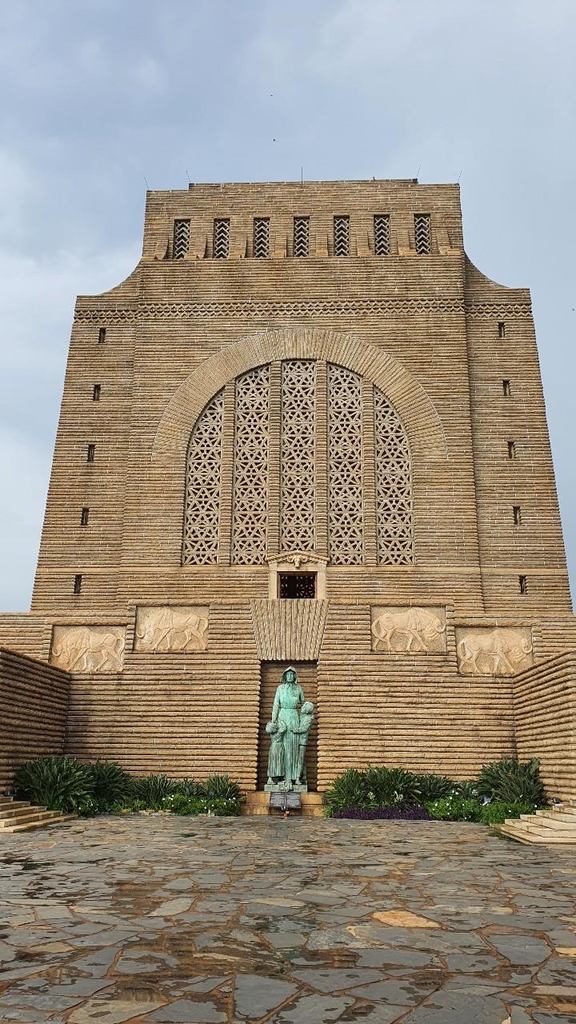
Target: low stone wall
25, 633
33, 702
545, 718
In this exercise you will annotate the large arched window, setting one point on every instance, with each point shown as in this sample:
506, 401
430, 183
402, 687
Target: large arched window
298, 455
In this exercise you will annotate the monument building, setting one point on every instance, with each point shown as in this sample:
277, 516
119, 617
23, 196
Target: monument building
305, 431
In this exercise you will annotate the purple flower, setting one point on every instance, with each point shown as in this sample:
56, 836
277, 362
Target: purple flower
404, 812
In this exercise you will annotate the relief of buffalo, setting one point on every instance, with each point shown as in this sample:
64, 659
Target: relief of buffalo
409, 630
179, 630
495, 652
88, 648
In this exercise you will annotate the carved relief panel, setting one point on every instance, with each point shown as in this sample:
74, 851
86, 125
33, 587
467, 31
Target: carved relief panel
494, 652
178, 629
409, 630
88, 648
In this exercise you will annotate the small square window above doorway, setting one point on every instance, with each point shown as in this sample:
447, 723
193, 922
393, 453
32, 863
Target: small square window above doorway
303, 575
293, 585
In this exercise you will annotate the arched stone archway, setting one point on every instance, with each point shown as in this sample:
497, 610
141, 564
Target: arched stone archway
413, 405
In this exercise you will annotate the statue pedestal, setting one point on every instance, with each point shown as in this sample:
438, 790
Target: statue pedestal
285, 787
258, 803
286, 801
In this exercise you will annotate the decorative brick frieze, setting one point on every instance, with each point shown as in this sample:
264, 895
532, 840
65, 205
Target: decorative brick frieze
257, 310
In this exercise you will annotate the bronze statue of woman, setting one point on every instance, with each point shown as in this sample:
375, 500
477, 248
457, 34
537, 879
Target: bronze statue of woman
286, 720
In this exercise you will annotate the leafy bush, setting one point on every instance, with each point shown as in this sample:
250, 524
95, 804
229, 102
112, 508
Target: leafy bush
178, 803
496, 812
468, 790
513, 782
109, 784
132, 806
432, 787
389, 786
153, 790
404, 812
221, 787
189, 788
349, 789
58, 783
63, 784
455, 808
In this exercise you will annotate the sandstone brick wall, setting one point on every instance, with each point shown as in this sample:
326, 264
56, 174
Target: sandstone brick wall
545, 721
394, 709
26, 634
435, 314
425, 331
187, 715
34, 700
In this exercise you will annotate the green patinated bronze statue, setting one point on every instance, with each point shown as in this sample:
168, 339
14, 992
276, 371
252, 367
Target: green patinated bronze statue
288, 731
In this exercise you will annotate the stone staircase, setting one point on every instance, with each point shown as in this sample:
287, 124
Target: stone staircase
21, 816
554, 826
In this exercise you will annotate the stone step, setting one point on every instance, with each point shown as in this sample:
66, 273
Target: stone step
522, 835
21, 815
561, 821
560, 814
41, 822
15, 810
531, 839
28, 814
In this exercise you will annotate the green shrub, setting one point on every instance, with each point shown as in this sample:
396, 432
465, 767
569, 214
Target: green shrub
221, 787
513, 782
86, 807
468, 790
58, 783
433, 787
455, 808
132, 806
110, 785
388, 787
223, 806
496, 812
189, 788
178, 803
153, 790
349, 789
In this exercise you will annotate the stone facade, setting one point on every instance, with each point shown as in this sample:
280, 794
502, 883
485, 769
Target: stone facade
319, 440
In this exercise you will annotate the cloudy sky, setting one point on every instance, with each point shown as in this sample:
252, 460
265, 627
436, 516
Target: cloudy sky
100, 97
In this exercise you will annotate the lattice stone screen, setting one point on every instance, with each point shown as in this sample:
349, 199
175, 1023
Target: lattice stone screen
381, 235
181, 238
393, 485
298, 462
341, 236
203, 486
301, 236
221, 239
251, 467
302, 437
261, 241
345, 505
422, 237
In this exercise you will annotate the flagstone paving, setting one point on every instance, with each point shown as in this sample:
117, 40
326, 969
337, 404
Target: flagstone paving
299, 921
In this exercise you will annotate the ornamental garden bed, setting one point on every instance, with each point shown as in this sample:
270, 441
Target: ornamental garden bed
504, 789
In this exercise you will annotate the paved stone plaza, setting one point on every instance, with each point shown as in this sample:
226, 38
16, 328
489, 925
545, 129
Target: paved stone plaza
211, 920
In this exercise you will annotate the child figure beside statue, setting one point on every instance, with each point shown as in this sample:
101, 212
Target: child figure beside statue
288, 730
